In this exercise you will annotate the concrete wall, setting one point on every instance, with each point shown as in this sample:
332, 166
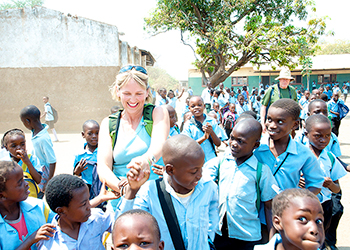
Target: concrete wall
73, 60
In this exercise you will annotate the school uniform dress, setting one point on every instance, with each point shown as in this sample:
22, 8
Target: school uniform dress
91, 159
172, 101
43, 149
238, 194
34, 216
90, 233
288, 166
198, 217
191, 130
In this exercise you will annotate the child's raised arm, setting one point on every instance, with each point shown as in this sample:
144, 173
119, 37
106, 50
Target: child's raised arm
43, 233
333, 186
22, 154
105, 195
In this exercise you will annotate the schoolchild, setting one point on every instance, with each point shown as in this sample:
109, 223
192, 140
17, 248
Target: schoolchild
298, 218
334, 112
241, 105
222, 133
237, 176
42, 144
202, 128
318, 131
286, 157
162, 98
77, 225
22, 219
174, 129
229, 119
185, 108
15, 143
216, 109
232, 98
195, 199
319, 106
219, 97
172, 98
136, 229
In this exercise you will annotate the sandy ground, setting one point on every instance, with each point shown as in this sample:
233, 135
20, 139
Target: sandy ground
70, 143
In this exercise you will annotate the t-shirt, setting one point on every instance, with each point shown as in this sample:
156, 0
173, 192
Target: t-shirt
20, 226
278, 93
49, 113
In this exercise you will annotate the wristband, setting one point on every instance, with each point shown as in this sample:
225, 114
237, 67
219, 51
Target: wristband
149, 162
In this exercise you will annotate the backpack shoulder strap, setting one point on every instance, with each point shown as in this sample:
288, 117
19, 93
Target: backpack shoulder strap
114, 121
331, 157
148, 117
258, 178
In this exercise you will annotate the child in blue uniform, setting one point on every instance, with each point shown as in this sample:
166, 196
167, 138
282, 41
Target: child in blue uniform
318, 131
22, 219
15, 143
202, 128
298, 217
238, 179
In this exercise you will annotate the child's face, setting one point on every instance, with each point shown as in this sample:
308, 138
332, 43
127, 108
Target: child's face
307, 94
279, 123
45, 100
79, 209
16, 145
163, 93
132, 96
232, 108
301, 224
136, 232
196, 106
336, 97
90, 134
241, 143
318, 108
216, 106
171, 95
186, 174
241, 100
187, 101
172, 117
320, 135
17, 188
187, 116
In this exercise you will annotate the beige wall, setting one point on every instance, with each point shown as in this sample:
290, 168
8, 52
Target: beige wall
77, 93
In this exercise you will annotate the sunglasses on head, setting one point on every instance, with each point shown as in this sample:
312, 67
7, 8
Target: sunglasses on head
130, 67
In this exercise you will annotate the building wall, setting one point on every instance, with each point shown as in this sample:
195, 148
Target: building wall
72, 60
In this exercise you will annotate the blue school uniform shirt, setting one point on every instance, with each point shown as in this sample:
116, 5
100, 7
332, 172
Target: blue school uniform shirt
172, 102
197, 221
334, 106
288, 166
192, 131
173, 131
90, 233
91, 158
43, 147
333, 145
329, 94
232, 99
271, 245
160, 101
33, 212
335, 172
240, 109
238, 194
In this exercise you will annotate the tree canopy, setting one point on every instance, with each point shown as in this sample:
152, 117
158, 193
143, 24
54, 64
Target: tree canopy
159, 78
227, 34
13, 4
333, 48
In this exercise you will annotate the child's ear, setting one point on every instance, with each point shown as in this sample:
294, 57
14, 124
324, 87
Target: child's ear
169, 168
161, 245
277, 223
257, 144
306, 133
59, 210
296, 125
83, 134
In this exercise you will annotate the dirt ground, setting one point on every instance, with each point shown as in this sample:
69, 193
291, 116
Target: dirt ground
70, 143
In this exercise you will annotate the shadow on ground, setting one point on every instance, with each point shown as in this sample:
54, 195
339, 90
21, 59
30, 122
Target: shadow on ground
344, 248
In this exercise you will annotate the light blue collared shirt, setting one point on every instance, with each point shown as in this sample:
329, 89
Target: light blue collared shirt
296, 159
43, 147
333, 145
90, 233
192, 131
238, 194
91, 158
334, 106
34, 216
197, 221
335, 172
240, 109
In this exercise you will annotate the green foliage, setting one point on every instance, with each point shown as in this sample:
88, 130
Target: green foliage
337, 47
159, 78
18, 4
227, 34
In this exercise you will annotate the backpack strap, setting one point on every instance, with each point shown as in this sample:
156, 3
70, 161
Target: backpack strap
331, 157
148, 117
170, 215
46, 213
114, 121
258, 178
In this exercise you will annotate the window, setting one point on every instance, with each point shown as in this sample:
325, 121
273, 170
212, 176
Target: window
326, 78
298, 79
265, 80
239, 81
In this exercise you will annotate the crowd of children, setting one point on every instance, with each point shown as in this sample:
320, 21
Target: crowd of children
266, 191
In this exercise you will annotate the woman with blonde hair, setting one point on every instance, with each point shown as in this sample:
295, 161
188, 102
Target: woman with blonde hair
133, 146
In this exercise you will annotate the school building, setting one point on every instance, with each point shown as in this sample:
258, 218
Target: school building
325, 69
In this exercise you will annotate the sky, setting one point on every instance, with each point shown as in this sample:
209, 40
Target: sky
167, 48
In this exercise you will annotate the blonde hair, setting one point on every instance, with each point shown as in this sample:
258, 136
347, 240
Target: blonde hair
123, 78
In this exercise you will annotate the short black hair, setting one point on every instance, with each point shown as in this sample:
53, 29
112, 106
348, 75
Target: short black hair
316, 119
93, 122
313, 102
6, 167
9, 133
324, 97
31, 112
196, 96
59, 190
251, 113
290, 106
141, 213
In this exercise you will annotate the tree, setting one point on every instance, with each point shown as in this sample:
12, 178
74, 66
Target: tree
337, 47
227, 34
306, 64
14, 4
159, 78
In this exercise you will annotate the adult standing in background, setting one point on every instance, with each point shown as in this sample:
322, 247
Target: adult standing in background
207, 97
276, 92
190, 91
49, 118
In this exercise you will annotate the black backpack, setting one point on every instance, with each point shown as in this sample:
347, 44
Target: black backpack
229, 121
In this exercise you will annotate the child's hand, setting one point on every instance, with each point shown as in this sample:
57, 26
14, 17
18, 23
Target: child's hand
327, 182
134, 177
208, 128
44, 232
106, 195
158, 169
22, 154
301, 182
81, 166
